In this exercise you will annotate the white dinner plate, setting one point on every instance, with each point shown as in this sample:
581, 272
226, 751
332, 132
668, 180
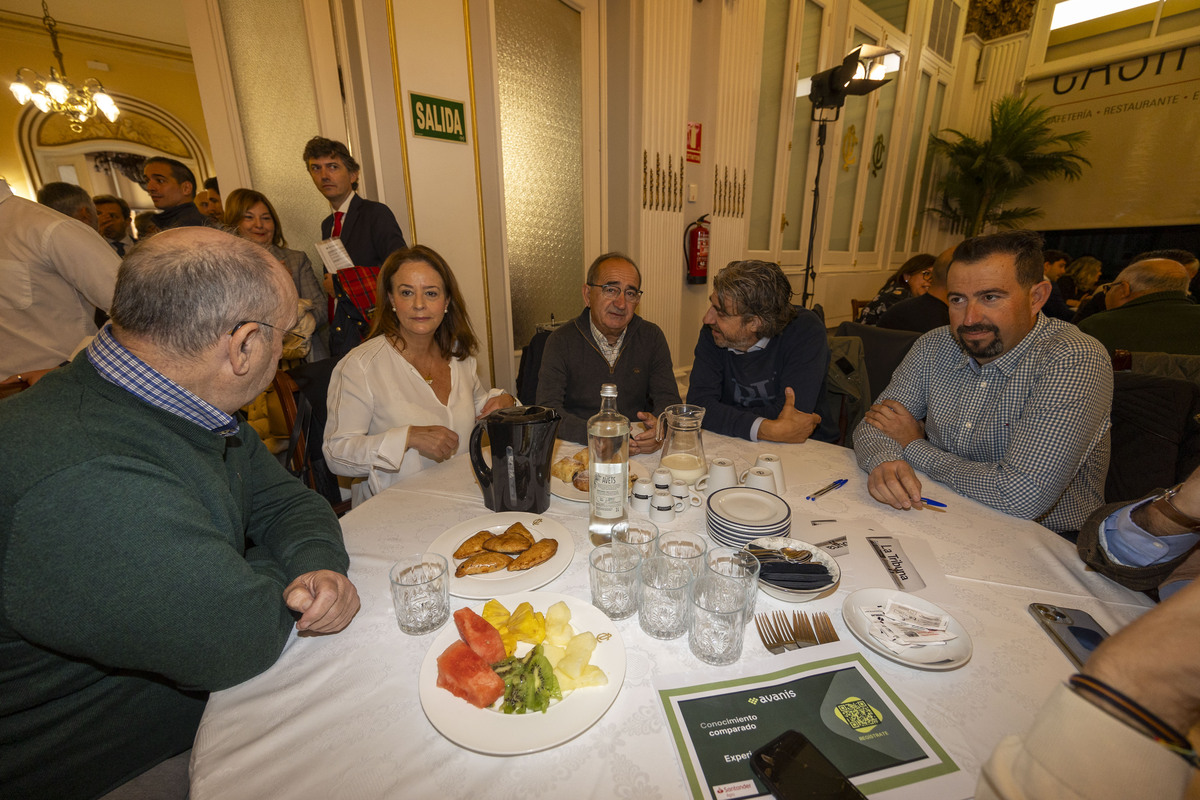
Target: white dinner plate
492, 584
486, 730
951, 655
753, 508
567, 491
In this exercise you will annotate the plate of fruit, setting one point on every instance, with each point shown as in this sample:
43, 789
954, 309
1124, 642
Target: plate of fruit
522, 673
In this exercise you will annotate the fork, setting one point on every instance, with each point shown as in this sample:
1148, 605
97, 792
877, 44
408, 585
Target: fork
771, 637
803, 630
825, 630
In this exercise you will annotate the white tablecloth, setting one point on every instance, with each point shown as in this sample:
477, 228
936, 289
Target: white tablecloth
339, 716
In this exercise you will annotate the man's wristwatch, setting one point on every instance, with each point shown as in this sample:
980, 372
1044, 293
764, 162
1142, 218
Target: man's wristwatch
1163, 505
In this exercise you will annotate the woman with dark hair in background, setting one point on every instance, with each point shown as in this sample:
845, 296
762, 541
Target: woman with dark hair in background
408, 397
253, 217
911, 280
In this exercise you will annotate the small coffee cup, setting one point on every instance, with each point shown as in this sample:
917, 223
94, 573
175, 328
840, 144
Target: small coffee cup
772, 462
662, 479
662, 507
684, 497
759, 478
721, 475
643, 490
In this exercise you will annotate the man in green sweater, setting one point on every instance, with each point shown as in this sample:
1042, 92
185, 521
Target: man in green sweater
152, 550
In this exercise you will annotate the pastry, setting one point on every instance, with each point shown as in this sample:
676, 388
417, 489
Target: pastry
518, 528
565, 468
583, 480
507, 543
581, 457
473, 546
540, 553
483, 563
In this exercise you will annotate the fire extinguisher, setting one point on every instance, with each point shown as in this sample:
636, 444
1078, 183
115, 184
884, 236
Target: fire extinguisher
695, 250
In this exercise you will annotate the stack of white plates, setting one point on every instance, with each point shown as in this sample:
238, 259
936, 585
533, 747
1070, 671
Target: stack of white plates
739, 514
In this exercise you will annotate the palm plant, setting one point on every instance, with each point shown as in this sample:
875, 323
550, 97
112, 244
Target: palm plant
983, 177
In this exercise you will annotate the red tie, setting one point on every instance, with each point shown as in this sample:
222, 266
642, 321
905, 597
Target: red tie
337, 224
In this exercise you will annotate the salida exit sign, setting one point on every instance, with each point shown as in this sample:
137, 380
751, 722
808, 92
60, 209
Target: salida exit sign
438, 118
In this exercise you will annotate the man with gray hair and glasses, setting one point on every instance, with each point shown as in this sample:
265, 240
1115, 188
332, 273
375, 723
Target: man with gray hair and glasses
760, 361
1148, 311
608, 343
153, 549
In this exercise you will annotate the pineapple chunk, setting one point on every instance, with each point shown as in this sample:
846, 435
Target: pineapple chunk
527, 625
495, 613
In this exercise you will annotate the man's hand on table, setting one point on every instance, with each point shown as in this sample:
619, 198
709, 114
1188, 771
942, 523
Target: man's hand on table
894, 483
894, 420
792, 425
326, 600
644, 442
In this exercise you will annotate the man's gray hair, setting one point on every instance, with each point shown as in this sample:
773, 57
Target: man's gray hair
65, 198
183, 289
594, 270
756, 289
1155, 275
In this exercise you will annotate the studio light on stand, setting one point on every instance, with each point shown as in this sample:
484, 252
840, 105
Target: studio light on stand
58, 95
861, 72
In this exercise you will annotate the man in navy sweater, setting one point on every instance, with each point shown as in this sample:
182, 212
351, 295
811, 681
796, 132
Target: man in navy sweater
760, 361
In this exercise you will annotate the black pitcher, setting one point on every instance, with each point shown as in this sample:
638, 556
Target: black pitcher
522, 439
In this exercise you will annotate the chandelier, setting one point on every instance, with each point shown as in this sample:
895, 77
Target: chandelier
57, 94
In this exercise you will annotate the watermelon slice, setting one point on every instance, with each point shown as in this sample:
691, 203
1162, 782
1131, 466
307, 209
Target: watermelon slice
462, 672
480, 635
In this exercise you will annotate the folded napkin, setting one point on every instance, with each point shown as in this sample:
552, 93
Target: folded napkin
795, 576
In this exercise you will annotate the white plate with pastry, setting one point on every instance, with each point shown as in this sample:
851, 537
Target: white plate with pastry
487, 730
486, 585
561, 470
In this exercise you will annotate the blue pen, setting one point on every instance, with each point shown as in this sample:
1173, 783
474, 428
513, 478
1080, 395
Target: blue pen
835, 485
933, 503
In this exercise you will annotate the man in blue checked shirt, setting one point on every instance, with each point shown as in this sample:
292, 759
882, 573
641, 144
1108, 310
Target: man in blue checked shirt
1006, 406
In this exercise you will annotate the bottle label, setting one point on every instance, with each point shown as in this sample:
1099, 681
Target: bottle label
609, 488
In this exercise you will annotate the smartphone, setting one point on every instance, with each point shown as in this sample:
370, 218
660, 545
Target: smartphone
794, 769
1074, 631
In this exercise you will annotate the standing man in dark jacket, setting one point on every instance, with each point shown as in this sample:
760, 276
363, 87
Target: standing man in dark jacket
367, 229
608, 343
172, 187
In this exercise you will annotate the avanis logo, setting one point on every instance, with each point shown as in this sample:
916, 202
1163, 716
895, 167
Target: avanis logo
771, 698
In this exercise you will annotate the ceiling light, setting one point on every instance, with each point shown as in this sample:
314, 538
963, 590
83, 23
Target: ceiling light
59, 95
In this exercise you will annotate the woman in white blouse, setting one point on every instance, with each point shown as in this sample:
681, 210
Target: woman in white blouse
409, 395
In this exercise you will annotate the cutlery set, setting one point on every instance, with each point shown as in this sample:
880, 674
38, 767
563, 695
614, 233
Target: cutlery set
780, 633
